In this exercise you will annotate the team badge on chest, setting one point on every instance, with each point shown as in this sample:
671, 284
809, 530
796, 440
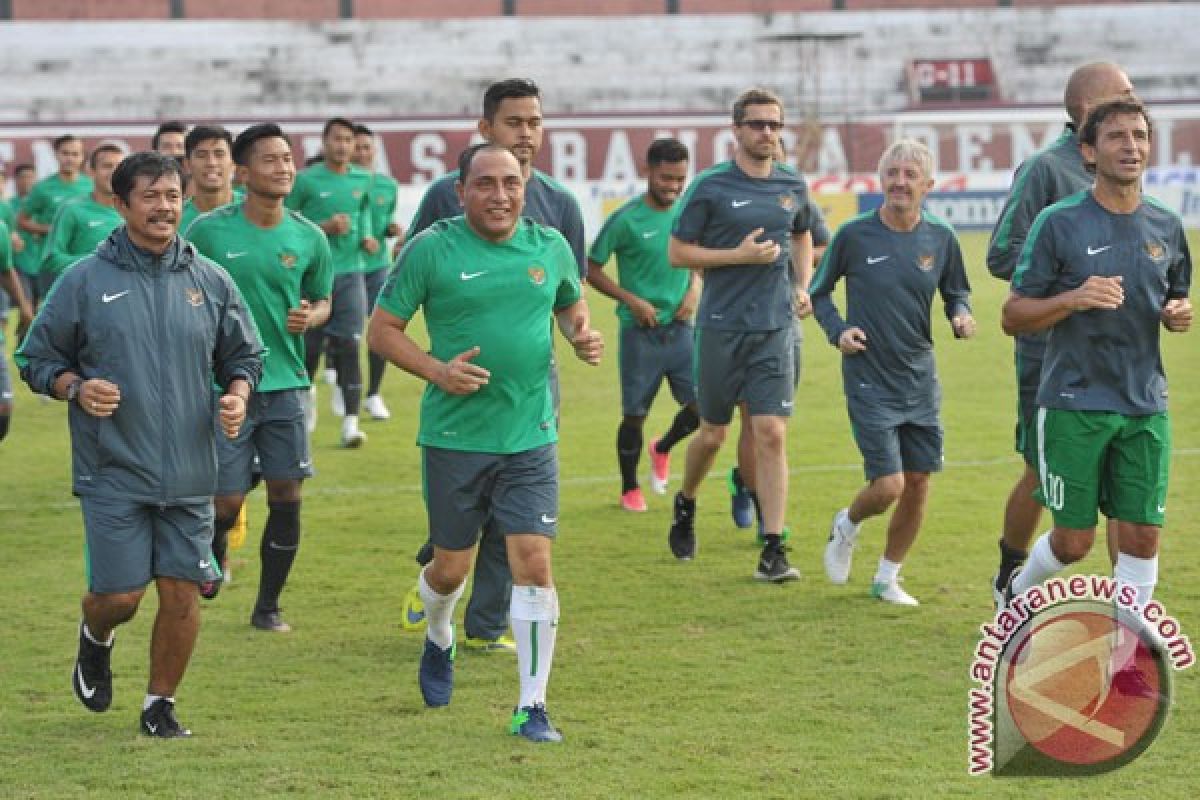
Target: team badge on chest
925, 262
288, 260
1156, 251
537, 275
194, 297
787, 201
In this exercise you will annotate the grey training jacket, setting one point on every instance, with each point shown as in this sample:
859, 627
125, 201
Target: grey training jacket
161, 328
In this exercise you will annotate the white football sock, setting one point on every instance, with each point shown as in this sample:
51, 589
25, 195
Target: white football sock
1140, 573
439, 611
887, 572
534, 615
1041, 564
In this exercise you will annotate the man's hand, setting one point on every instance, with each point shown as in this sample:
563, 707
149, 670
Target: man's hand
589, 346
18, 244
460, 376
752, 251
801, 303
232, 413
691, 300
297, 318
852, 341
644, 314
337, 225
1099, 292
1177, 315
369, 244
99, 397
963, 325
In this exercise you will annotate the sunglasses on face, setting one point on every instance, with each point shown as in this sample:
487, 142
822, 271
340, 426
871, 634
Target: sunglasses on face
763, 124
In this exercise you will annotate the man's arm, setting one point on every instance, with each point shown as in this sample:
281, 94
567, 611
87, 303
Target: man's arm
802, 272
56, 252
750, 251
643, 312
29, 207
387, 337
1022, 314
955, 290
12, 285
574, 321
1026, 199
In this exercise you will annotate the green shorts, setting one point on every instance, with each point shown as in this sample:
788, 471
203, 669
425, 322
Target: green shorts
1089, 460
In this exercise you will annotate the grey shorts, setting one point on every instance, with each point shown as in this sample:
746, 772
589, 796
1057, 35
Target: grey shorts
348, 307
646, 356
755, 368
131, 543
894, 438
518, 491
1029, 375
274, 432
373, 282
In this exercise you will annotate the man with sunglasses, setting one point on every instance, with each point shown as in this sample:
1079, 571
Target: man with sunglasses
746, 224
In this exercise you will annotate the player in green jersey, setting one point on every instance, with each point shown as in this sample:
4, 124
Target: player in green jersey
83, 223
282, 265
383, 226
334, 194
47, 196
487, 283
208, 159
10, 284
169, 139
655, 305
26, 257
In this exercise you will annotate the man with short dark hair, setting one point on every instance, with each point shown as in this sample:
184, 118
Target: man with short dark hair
132, 339
209, 161
512, 118
281, 263
655, 305
46, 197
1102, 271
383, 226
334, 194
169, 138
82, 223
746, 224
487, 282
1045, 178
27, 256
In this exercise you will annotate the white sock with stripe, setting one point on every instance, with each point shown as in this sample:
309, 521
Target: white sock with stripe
1041, 564
439, 612
534, 614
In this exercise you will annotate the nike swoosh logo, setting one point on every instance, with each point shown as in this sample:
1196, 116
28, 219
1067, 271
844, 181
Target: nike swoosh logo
108, 298
876, 259
740, 203
83, 687
274, 546
95, 223
235, 255
413, 617
548, 520
466, 276
204, 564
787, 403
326, 194
151, 728
1162, 509
1096, 251
304, 464
648, 234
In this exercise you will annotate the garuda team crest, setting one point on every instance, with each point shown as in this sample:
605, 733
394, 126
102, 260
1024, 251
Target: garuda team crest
288, 260
1155, 250
925, 262
787, 201
537, 275
195, 297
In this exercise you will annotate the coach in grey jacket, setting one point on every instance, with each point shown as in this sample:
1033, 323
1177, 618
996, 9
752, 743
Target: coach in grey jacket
132, 339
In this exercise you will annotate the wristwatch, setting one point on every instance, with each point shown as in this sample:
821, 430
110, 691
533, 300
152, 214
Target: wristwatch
73, 390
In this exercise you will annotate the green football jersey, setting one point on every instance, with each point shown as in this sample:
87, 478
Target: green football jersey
382, 196
191, 213
319, 193
80, 225
8, 213
6, 265
637, 235
498, 297
42, 204
274, 269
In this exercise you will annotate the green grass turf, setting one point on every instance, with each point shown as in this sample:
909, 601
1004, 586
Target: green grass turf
670, 680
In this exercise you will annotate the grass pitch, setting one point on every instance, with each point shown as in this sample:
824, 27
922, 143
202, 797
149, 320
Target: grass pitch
670, 680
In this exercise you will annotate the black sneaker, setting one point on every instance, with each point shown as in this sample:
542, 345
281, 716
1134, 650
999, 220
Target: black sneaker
92, 678
270, 620
159, 720
1006, 595
773, 566
682, 537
